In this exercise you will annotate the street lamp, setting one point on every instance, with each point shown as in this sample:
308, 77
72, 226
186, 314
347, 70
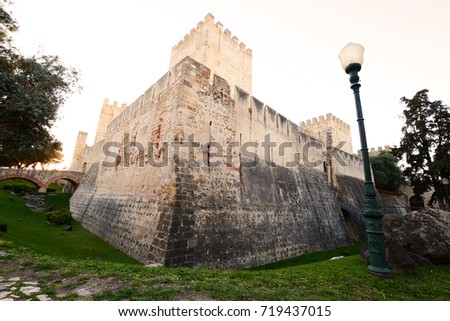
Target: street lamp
445, 182
351, 57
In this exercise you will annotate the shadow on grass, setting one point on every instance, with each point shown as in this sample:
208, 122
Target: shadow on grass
309, 258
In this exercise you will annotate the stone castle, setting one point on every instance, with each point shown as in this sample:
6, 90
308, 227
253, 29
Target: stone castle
196, 172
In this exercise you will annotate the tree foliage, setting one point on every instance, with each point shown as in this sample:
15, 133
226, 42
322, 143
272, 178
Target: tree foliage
387, 174
425, 144
7, 25
32, 89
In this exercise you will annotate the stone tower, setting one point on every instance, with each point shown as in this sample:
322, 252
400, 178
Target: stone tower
329, 126
80, 146
215, 48
108, 113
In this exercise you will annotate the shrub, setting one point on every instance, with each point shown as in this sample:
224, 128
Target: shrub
387, 174
19, 188
59, 217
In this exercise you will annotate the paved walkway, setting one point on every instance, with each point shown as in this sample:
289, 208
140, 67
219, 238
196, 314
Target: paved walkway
11, 287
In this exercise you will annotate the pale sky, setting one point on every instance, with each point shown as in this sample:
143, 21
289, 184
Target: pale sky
122, 47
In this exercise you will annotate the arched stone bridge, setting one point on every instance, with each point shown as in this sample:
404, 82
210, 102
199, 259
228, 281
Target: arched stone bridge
42, 178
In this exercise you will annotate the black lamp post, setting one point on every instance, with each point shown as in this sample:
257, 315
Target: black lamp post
351, 57
445, 182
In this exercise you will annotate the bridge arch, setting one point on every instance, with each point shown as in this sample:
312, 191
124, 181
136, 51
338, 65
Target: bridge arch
41, 179
75, 181
36, 181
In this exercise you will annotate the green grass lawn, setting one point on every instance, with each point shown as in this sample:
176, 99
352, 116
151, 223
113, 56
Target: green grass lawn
60, 200
344, 279
15, 181
63, 261
30, 229
56, 187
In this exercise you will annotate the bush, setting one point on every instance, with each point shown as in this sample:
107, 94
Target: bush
59, 217
19, 188
387, 174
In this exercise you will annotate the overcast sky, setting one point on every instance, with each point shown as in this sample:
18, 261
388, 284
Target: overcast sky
122, 47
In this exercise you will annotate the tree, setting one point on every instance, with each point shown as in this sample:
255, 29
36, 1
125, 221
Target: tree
387, 174
32, 89
425, 144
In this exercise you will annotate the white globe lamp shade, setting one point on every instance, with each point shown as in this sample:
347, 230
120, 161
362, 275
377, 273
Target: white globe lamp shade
352, 53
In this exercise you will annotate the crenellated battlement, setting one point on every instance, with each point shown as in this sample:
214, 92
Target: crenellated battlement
329, 118
107, 115
319, 126
380, 149
114, 107
209, 20
376, 151
218, 50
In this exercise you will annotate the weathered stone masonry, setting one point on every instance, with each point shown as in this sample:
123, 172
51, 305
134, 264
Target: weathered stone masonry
229, 216
171, 183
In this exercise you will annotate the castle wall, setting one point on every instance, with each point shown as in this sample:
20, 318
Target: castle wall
277, 140
205, 207
260, 129
197, 172
123, 200
394, 203
290, 144
242, 213
350, 196
262, 214
349, 164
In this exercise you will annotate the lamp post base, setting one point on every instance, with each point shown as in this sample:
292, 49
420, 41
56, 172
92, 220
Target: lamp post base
383, 273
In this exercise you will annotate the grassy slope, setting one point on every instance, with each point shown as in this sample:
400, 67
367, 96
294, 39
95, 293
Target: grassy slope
345, 279
52, 253
29, 229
